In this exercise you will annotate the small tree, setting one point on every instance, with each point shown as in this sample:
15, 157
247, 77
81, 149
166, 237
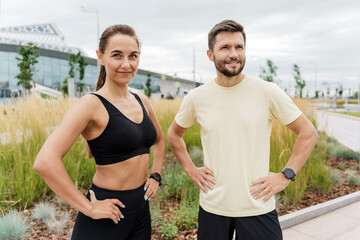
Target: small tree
341, 91
65, 87
27, 60
269, 74
300, 83
148, 89
81, 68
317, 93
356, 95
76, 63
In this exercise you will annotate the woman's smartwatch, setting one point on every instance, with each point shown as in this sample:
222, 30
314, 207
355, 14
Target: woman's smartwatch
157, 177
289, 173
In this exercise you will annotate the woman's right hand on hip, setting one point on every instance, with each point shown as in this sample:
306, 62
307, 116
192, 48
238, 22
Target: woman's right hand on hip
105, 208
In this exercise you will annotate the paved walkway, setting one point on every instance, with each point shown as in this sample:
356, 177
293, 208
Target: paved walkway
340, 224
345, 129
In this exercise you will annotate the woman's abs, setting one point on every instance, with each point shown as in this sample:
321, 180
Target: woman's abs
124, 175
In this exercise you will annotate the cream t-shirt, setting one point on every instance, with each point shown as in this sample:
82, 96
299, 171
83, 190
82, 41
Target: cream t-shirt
235, 134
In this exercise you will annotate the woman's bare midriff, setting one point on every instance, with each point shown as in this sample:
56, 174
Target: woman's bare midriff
125, 175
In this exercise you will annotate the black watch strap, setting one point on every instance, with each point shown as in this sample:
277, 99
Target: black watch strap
157, 177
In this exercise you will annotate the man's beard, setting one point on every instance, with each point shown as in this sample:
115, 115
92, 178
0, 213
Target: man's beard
220, 66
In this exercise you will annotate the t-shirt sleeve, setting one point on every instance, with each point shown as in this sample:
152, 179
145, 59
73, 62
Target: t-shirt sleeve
186, 115
282, 107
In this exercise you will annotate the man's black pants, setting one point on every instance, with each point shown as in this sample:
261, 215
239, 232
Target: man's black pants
216, 227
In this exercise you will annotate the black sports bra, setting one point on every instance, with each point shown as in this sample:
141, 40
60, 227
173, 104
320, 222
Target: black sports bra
122, 138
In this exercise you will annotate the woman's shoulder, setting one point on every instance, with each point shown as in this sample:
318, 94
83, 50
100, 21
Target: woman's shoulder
142, 97
145, 100
90, 102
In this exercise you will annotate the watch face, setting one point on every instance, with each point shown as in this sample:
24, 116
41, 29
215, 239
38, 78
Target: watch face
289, 173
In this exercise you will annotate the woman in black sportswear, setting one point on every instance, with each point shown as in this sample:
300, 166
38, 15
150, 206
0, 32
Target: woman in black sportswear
120, 128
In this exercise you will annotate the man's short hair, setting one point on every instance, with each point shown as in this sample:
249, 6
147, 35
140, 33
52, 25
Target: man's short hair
224, 26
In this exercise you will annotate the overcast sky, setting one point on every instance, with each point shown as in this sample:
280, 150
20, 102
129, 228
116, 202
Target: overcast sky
322, 37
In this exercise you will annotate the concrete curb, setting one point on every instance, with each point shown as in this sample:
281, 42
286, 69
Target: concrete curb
303, 215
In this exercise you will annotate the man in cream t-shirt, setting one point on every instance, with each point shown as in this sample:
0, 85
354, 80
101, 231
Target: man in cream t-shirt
235, 112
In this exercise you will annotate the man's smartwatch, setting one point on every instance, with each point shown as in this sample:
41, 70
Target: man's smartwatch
157, 177
289, 173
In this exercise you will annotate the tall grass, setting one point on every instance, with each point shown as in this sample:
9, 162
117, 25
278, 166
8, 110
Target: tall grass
314, 173
26, 125
30, 121
166, 111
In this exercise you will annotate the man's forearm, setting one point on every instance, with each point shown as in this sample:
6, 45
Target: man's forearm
303, 146
178, 147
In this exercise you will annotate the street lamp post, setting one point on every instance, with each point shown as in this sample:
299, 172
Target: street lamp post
0, 13
358, 95
315, 77
96, 11
194, 72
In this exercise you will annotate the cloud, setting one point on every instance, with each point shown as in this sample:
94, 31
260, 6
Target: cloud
321, 35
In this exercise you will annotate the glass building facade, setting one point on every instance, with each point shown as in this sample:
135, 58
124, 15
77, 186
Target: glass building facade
53, 62
50, 71
140, 78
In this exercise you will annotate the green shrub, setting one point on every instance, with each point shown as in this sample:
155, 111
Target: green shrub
196, 155
187, 216
176, 181
13, 226
155, 214
168, 229
341, 166
331, 139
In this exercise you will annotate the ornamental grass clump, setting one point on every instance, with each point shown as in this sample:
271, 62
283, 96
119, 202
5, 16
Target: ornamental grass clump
13, 226
47, 212
343, 152
354, 179
336, 177
57, 225
44, 211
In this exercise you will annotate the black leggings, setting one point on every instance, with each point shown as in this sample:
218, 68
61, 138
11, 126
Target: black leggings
136, 224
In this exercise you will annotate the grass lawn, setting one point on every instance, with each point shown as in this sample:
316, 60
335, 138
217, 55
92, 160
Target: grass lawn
355, 114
